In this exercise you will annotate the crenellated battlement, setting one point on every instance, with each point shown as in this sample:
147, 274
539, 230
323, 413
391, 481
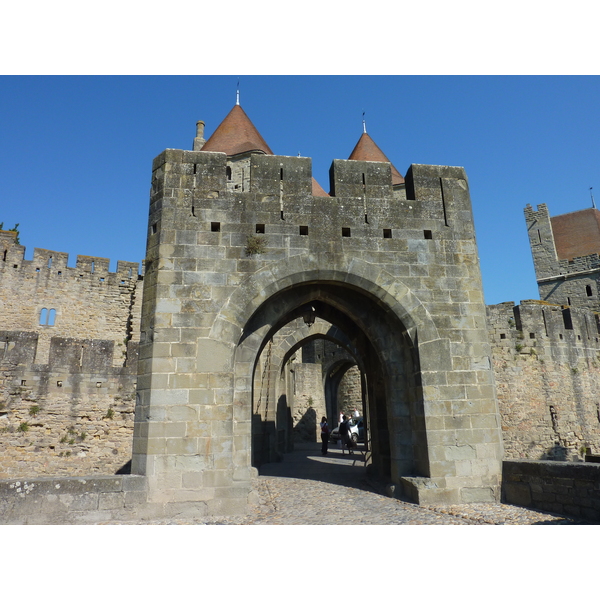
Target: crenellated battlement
544, 328
12, 258
19, 349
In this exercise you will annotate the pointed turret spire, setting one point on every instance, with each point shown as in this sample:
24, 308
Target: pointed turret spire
367, 149
236, 134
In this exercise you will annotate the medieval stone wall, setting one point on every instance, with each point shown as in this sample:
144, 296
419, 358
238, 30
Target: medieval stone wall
71, 416
68, 362
547, 370
46, 296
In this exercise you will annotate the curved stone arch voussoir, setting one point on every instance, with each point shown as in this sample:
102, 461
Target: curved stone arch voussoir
321, 329
371, 279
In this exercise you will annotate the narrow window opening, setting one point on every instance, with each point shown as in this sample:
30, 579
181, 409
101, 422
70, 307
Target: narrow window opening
23, 381
59, 273
51, 317
93, 265
260, 228
303, 229
215, 226
4, 256
346, 232
539, 236
228, 173
568, 321
195, 169
281, 174
37, 270
569, 301
281, 216
43, 316
532, 335
15, 267
502, 336
49, 262
545, 324
193, 211
364, 180
443, 202
154, 228
366, 218
588, 290
101, 279
387, 233
427, 234
130, 271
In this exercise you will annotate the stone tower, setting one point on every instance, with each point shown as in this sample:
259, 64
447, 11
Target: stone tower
565, 252
248, 258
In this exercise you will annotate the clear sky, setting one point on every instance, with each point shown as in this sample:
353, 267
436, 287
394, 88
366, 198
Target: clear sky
76, 151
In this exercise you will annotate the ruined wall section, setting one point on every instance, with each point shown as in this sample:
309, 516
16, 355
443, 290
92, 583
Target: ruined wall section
547, 369
70, 416
45, 296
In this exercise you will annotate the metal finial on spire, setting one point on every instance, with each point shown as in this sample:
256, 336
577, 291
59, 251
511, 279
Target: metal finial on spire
237, 94
592, 195
364, 123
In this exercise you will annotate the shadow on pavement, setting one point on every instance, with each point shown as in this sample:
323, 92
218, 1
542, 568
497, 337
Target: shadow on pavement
306, 462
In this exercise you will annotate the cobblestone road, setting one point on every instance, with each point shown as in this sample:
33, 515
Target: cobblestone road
308, 489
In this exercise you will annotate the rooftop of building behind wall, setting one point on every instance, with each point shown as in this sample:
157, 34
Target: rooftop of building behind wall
236, 134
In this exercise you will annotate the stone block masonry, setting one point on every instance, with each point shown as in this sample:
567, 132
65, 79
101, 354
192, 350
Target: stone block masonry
563, 488
547, 370
46, 296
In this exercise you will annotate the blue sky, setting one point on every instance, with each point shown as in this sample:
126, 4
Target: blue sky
76, 151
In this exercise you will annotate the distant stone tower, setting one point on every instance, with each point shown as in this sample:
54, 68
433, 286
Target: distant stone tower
565, 252
248, 258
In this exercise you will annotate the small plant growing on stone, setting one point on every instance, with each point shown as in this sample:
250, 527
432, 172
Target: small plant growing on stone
63, 439
110, 413
34, 410
82, 435
255, 245
519, 347
24, 426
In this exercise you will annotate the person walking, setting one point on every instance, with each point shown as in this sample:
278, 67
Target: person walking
344, 430
324, 436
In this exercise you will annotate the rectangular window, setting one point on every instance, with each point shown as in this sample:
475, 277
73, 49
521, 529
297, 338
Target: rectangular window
260, 228
303, 229
345, 231
215, 226
387, 233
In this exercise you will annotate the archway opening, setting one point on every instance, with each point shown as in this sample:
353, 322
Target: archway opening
375, 343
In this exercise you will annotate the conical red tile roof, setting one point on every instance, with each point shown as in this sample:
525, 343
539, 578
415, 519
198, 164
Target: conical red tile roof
317, 190
236, 134
367, 149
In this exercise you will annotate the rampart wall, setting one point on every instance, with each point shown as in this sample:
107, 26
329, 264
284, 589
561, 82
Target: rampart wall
68, 362
547, 370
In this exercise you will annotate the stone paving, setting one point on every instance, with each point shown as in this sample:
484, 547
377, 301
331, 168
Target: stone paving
309, 489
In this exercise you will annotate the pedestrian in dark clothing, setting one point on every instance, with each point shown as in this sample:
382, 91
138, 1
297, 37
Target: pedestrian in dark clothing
344, 430
324, 436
